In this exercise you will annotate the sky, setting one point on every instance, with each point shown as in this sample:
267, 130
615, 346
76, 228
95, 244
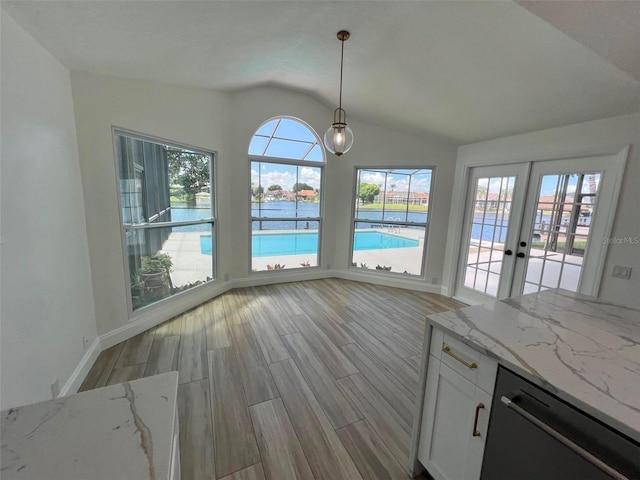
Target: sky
267, 174
548, 187
420, 182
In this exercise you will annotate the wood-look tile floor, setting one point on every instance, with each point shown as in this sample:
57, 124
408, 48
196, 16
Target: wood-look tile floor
312, 379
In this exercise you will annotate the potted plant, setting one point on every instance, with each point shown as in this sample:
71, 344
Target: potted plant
155, 270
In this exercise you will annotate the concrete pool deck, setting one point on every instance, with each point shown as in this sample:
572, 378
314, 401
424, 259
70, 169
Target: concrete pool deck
190, 264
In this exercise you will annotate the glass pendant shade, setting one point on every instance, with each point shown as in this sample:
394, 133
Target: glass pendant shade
339, 137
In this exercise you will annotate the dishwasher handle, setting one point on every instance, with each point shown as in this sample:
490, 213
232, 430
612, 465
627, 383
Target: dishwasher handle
588, 456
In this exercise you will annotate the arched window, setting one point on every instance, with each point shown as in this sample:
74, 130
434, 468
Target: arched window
287, 163
286, 138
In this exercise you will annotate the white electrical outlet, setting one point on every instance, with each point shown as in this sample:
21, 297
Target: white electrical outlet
620, 271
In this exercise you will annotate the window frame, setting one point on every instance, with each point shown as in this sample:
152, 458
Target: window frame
427, 225
296, 163
212, 220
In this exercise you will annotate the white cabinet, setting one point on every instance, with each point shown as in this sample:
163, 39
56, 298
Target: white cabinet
457, 404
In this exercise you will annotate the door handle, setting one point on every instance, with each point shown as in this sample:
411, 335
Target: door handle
479, 407
508, 252
520, 255
447, 349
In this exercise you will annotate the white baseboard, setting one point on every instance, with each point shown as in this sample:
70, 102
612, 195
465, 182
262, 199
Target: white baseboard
72, 385
387, 280
156, 314
271, 278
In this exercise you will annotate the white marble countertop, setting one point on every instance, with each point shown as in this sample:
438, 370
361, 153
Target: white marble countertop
585, 351
123, 431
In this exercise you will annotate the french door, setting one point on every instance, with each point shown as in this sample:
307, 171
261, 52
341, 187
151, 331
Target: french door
534, 226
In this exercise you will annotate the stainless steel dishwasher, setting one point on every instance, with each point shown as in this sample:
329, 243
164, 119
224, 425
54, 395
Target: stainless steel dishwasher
535, 435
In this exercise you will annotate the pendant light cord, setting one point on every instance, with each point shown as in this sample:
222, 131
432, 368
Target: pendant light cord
341, 64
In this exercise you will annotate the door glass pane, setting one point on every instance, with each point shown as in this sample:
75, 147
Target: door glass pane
493, 199
565, 210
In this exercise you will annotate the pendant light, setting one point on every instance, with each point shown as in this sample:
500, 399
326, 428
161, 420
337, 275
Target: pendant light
339, 137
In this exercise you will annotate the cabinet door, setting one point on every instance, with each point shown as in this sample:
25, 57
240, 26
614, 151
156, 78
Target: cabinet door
450, 402
475, 449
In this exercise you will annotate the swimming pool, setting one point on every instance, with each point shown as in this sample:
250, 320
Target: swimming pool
275, 244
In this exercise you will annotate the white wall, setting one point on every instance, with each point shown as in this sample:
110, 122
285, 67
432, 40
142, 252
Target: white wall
47, 301
191, 116
226, 123
576, 139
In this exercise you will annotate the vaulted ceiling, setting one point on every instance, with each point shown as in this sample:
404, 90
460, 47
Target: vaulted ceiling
465, 70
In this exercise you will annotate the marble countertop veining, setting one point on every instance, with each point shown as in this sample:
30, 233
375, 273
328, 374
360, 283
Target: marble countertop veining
122, 431
584, 350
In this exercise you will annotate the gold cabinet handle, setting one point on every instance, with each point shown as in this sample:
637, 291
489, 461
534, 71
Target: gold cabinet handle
479, 407
446, 349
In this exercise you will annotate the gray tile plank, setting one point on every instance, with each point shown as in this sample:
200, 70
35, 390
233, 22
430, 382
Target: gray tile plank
270, 342
403, 376
411, 324
216, 327
254, 472
381, 416
280, 320
256, 377
126, 374
230, 309
280, 450
371, 455
136, 349
327, 351
324, 450
234, 441
286, 299
196, 435
169, 328
339, 411
379, 324
102, 368
326, 320
379, 377
163, 356
395, 344
412, 342
414, 362
192, 356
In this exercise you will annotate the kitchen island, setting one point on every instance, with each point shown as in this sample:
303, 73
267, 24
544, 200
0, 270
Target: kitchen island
123, 431
581, 349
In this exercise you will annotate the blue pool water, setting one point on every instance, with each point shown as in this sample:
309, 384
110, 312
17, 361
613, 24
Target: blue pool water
274, 244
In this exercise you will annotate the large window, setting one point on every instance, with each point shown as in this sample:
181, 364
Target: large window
166, 200
287, 162
391, 220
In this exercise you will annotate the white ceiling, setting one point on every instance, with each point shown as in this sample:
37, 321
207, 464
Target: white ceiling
465, 70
